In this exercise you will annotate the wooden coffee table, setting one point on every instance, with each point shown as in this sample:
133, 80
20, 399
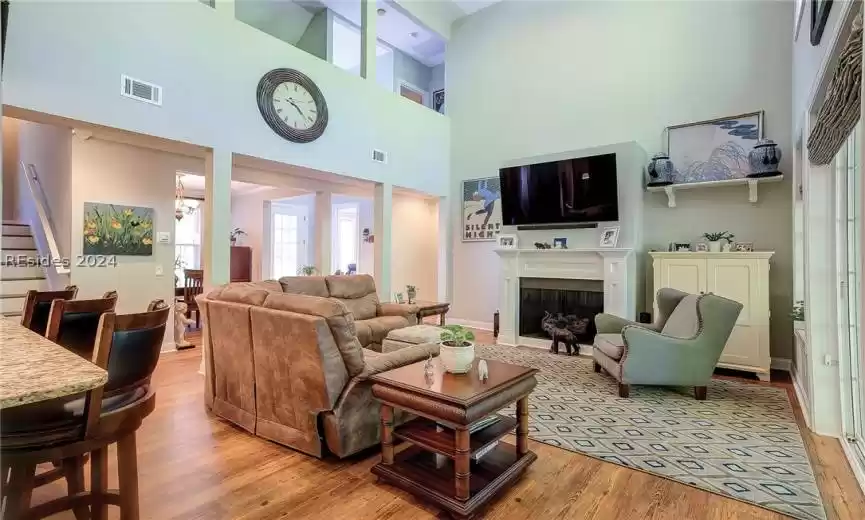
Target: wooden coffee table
432, 309
446, 464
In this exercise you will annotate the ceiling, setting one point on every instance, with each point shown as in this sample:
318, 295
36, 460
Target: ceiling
473, 6
288, 19
396, 28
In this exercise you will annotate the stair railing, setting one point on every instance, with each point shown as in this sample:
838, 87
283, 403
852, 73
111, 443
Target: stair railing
40, 202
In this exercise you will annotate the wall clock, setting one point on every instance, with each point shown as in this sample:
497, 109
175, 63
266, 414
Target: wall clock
292, 105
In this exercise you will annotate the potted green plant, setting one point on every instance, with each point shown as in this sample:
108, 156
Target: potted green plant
235, 233
307, 270
411, 291
456, 349
798, 314
715, 240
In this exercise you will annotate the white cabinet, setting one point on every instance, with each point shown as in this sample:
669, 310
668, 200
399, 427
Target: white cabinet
743, 277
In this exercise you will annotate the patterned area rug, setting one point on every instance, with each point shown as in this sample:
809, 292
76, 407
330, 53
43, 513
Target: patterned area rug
741, 442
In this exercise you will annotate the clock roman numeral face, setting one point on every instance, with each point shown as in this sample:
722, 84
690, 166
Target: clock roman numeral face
295, 106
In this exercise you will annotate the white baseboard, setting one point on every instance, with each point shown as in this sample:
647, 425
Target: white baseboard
784, 364
168, 347
803, 403
856, 462
478, 325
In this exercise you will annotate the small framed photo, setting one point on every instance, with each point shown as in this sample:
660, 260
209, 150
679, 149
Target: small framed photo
398, 298
610, 236
744, 247
560, 243
507, 241
682, 247
701, 247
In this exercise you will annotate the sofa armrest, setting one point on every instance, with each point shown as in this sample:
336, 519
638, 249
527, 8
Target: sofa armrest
398, 358
611, 324
397, 309
653, 358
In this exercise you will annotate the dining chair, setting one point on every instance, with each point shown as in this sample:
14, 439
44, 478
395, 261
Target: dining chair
37, 305
73, 324
128, 347
193, 285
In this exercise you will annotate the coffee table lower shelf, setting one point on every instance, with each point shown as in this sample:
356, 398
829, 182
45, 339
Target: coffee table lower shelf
425, 475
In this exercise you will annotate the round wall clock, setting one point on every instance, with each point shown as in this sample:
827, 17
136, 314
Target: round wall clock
292, 105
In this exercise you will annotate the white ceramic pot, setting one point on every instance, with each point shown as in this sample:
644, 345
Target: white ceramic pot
457, 360
715, 246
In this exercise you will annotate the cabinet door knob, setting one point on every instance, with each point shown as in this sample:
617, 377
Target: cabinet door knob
701, 292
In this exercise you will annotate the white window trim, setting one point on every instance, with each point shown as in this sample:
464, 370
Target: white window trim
334, 225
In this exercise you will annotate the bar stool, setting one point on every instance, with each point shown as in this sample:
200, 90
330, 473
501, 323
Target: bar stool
128, 347
37, 306
73, 324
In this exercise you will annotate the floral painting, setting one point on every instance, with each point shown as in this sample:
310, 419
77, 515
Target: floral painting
713, 150
111, 229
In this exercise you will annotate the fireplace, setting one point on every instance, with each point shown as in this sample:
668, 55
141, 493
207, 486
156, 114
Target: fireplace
581, 298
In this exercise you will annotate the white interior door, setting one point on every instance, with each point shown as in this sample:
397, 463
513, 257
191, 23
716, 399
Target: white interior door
289, 239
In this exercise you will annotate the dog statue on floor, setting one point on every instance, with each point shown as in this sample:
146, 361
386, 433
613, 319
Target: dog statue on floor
565, 329
180, 324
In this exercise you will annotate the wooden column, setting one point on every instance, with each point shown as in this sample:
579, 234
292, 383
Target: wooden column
386, 434
462, 464
523, 426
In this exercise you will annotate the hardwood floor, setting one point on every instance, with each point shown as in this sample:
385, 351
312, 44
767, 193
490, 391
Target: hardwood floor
194, 466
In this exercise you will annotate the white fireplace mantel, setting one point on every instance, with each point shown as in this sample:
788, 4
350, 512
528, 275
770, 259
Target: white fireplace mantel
616, 267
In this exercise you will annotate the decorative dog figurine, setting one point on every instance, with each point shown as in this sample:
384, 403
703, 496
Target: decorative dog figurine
180, 324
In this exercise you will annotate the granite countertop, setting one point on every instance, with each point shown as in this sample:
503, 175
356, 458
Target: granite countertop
33, 369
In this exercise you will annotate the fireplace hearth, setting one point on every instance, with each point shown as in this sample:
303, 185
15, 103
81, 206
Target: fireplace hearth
561, 310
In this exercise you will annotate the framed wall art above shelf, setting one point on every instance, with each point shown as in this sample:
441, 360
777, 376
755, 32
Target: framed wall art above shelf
752, 183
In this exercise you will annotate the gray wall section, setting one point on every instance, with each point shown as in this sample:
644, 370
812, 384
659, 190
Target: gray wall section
406, 68
314, 39
554, 105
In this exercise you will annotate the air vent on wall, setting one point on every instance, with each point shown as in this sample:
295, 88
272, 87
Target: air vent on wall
140, 90
379, 156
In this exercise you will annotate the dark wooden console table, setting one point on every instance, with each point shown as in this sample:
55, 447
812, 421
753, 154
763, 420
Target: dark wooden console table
432, 309
446, 464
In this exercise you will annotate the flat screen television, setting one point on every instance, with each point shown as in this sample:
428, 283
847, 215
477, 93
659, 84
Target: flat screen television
570, 191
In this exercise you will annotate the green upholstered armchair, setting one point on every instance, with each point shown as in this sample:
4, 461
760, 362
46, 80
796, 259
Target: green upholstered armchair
680, 349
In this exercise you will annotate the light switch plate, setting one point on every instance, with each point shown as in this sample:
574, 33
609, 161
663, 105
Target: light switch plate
163, 237
158, 269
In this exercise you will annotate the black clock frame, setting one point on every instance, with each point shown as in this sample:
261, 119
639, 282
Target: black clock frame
267, 86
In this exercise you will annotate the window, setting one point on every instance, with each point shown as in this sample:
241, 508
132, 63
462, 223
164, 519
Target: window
346, 233
849, 257
285, 245
187, 240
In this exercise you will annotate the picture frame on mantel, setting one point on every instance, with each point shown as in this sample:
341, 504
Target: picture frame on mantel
506, 241
610, 236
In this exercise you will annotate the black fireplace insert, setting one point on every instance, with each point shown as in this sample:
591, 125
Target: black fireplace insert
538, 296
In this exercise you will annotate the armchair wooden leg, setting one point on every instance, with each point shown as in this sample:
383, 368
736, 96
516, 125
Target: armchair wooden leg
700, 393
597, 366
624, 390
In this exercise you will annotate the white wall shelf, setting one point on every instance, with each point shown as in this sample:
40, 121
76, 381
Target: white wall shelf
752, 187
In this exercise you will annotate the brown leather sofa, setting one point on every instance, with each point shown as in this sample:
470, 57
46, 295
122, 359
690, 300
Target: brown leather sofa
373, 320
290, 368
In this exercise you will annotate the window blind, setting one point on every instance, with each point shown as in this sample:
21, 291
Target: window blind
842, 109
